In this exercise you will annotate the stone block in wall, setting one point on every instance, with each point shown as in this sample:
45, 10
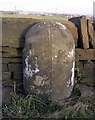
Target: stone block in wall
11, 60
89, 75
4, 67
6, 75
87, 92
81, 24
13, 31
86, 70
18, 76
11, 52
6, 94
8, 82
84, 32
91, 33
84, 54
76, 22
15, 67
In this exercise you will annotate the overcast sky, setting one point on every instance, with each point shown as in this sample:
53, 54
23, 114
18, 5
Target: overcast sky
56, 6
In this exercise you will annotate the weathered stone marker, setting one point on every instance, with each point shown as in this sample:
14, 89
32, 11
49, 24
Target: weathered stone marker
49, 61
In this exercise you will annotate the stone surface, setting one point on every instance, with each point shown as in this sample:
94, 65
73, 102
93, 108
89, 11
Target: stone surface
6, 94
11, 52
11, 60
88, 73
76, 21
13, 31
81, 24
6, 75
73, 30
91, 33
86, 70
49, 61
15, 67
18, 75
86, 91
4, 67
85, 40
87, 54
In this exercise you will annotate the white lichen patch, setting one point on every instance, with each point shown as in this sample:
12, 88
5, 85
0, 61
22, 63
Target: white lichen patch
44, 23
71, 54
71, 81
68, 83
28, 71
30, 52
61, 25
72, 77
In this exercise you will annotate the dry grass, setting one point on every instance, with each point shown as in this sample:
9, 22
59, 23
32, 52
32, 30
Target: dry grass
32, 106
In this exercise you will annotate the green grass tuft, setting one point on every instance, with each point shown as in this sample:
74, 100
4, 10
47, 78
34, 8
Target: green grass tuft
32, 106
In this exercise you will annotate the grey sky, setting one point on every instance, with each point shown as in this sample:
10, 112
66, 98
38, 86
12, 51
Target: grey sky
59, 6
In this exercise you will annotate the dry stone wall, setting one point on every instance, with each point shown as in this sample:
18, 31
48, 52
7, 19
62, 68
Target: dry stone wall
13, 36
86, 32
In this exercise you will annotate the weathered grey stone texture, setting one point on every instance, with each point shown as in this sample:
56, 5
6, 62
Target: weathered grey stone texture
49, 61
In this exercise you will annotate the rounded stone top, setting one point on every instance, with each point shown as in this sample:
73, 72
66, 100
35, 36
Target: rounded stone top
48, 26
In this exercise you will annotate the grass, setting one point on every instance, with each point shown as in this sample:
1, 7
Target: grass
78, 74
32, 106
23, 107
31, 16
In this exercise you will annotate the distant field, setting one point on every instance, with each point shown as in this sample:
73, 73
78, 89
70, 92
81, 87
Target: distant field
32, 16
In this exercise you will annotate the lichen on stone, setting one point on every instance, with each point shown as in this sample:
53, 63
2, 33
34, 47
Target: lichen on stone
72, 77
71, 54
28, 71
